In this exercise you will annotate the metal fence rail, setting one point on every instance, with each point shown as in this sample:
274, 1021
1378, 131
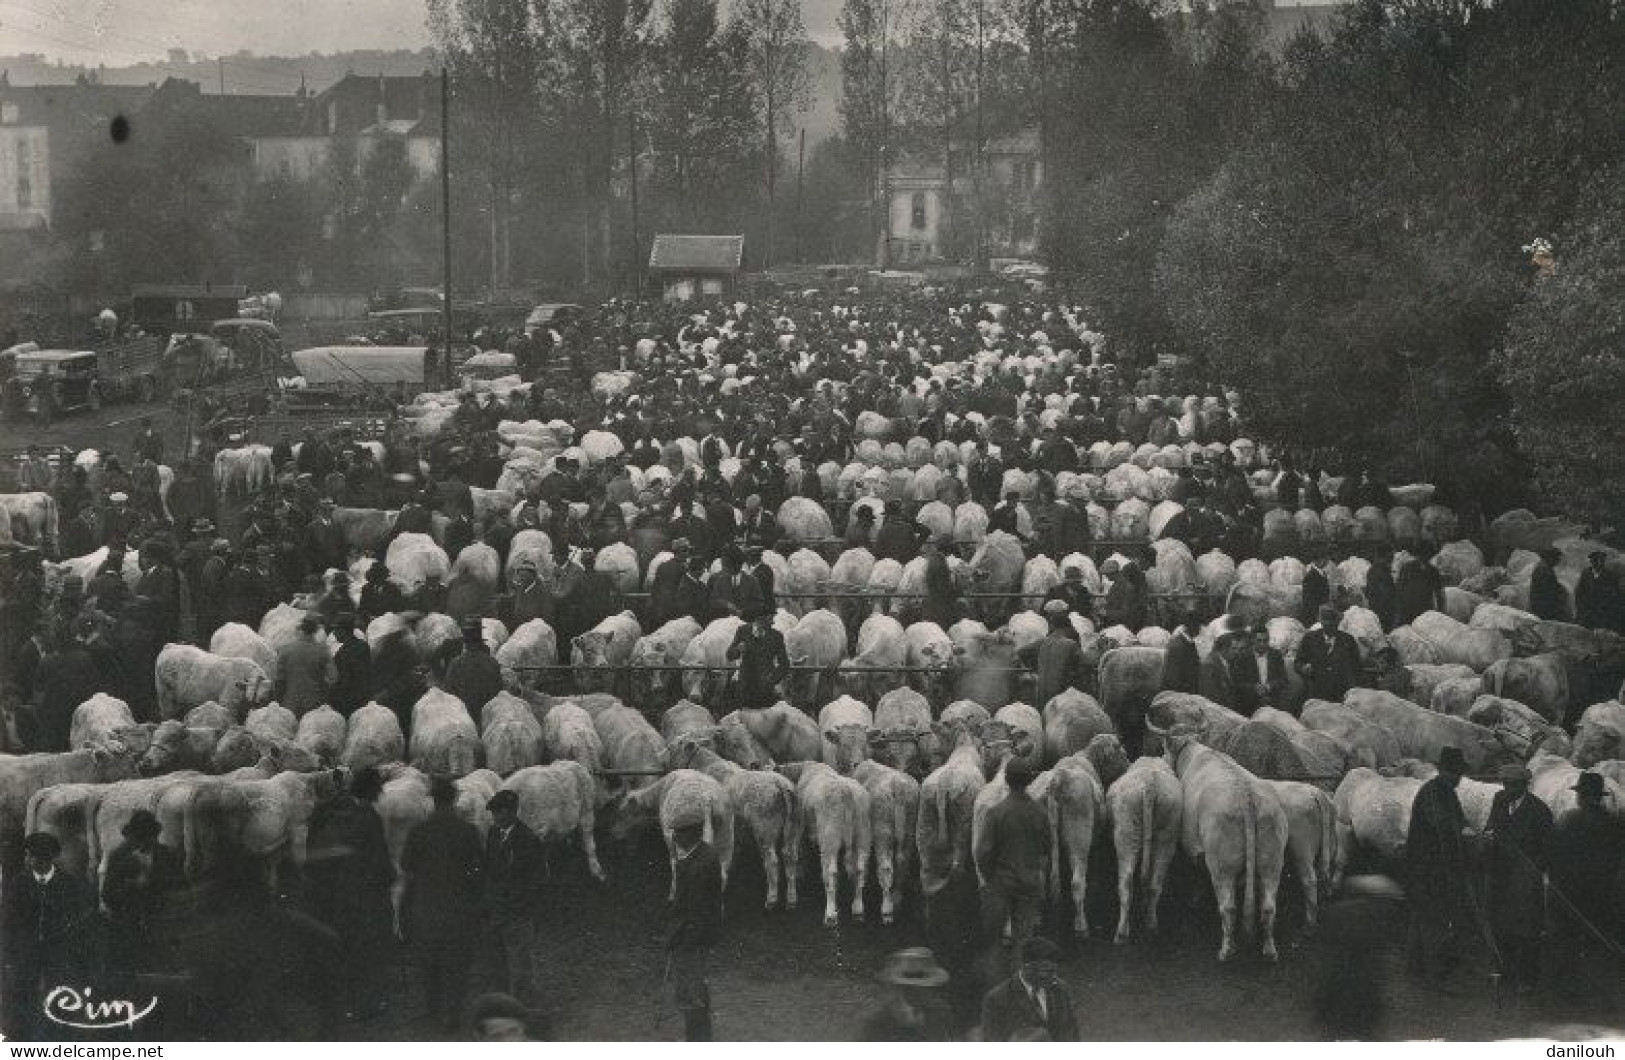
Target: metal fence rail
619, 668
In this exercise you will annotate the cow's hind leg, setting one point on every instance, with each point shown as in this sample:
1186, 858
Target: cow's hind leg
1153, 890
1267, 886
589, 846
1224, 892
857, 869
1304, 865
829, 857
1080, 891
1126, 863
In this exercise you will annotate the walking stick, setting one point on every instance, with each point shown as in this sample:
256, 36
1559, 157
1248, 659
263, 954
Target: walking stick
660, 994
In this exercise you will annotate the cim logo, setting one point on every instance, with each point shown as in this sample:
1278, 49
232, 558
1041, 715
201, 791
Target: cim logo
68, 1007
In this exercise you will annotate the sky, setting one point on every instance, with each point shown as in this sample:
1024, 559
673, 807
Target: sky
116, 32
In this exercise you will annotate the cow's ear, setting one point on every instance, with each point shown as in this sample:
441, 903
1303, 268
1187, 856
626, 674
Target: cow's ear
831, 735
959, 649
242, 686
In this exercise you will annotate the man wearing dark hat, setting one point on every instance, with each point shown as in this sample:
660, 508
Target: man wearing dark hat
45, 913
1328, 658
755, 568
941, 595
352, 667
1599, 602
441, 866
1588, 854
1317, 586
305, 669
140, 871
1436, 867
67, 676
1059, 656
1012, 858
763, 660
731, 590
81, 535
474, 676
914, 1009
1074, 592
1520, 834
349, 879
1548, 600
1259, 680
514, 871
1217, 677
1033, 1004
379, 595
696, 921
502, 1018
251, 587
1181, 662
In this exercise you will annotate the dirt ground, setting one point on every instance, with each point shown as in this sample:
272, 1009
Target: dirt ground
782, 976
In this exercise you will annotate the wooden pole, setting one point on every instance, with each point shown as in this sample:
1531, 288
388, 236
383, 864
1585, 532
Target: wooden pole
445, 217
801, 167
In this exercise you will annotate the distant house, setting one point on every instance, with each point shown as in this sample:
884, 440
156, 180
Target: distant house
927, 219
47, 134
690, 267
364, 109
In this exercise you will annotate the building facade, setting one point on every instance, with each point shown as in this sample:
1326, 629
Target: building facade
930, 218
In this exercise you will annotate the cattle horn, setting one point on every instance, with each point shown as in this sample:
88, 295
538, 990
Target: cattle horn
1153, 729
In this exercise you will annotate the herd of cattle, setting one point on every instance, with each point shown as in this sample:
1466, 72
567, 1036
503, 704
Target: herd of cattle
890, 744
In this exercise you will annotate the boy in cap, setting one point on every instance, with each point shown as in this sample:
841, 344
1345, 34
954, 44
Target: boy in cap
1520, 834
697, 922
45, 911
513, 884
1033, 1004
1436, 864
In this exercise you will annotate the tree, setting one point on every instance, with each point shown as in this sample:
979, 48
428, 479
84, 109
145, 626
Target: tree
496, 52
867, 88
938, 86
1564, 370
601, 45
775, 44
703, 125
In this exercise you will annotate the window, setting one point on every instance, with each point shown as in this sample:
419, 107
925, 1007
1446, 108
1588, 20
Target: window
917, 210
8, 114
25, 187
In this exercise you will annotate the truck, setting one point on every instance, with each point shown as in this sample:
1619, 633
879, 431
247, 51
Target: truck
84, 379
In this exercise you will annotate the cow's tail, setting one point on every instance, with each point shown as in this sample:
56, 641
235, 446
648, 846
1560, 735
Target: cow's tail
50, 520
862, 829
1325, 864
1249, 909
1497, 674
899, 826
1148, 830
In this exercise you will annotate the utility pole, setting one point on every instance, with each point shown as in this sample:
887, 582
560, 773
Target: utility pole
637, 237
445, 216
981, 161
221, 66
801, 167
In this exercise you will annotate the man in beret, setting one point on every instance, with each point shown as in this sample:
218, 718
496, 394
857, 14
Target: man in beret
696, 921
1033, 1004
45, 914
1520, 834
1436, 868
514, 871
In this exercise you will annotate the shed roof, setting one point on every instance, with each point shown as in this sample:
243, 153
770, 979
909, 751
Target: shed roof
697, 253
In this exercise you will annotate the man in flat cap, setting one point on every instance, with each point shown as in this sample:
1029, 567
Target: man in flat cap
1059, 656
696, 921
1520, 833
45, 912
513, 890
1436, 867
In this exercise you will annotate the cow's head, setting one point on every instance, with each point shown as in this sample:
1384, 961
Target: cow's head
165, 746
290, 757
1105, 752
650, 687
593, 646
235, 750
137, 739
851, 746
736, 743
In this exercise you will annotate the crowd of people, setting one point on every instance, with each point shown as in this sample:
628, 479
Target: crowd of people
745, 382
